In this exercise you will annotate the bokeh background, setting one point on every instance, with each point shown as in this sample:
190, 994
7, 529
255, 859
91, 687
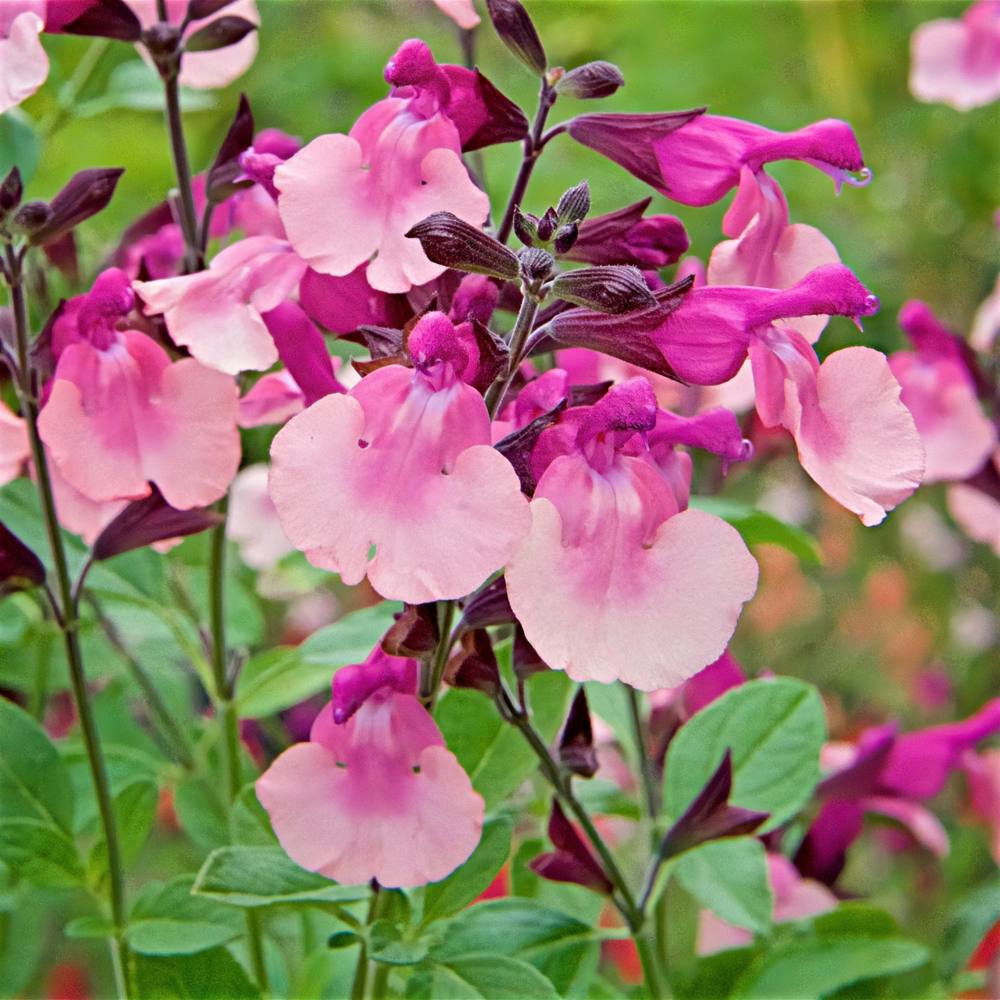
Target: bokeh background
896, 622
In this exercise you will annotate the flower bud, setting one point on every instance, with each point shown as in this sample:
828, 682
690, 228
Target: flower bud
31, 217
223, 174
20, 568
517, 32
591, 80
566, 237
414, 633
574, 204
547, 225
576, 745
447, 240
162, 41
608, 288
537, 265
525, 226
11, 191
475, 664
219, 34
107, 19
85, 195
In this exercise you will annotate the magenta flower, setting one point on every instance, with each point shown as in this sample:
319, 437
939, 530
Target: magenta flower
376, 795
407, 452
957, 62
120, 414
216, 67
349, 199
342, 304
940, 392
24, 65
218, 314
625, 237
615, 580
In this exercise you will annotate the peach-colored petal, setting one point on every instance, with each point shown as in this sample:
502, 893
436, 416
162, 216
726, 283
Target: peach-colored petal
976, 513
253, 522
14, 449
24, 65
462, 12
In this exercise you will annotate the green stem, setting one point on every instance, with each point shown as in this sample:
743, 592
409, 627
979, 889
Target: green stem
67, 614
69, 91
518, 339
360, 980
435, 673
650, 965
642, 755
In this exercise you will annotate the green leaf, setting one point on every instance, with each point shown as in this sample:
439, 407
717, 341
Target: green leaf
266, 876
495, 754
975, 915
481, 977
90, 926
815, 968
24, 919
280, 678
562, 948
249, 822
134, 86
34, 781
201, 813
163, 936
760, 528
388, 945
209, 975
730, 878
19, 145
40, 853
135, 810
463, 885
775, 729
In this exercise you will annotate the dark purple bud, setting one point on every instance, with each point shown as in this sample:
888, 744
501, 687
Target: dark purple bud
517, 447
608, 288
489, 606
627, 337
576, 745
198, 10
710, 816
61, 254
571, 861
526, 661
219, 34
630, 140
381, 341
566, 236
20, 568
547, 225
518, 33
448, 240
525, 227
414, 633
31, 217
150, 520
475, 664
85, 195
591, 80
537, 265
107, 19
493, 357
574, 204
223, 174
11, 191
625, 237
504, 120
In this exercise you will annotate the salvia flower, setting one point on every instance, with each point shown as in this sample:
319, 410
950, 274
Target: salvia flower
374, 794
615, 579
407, 452
24, 65
120, 414
625, 237
940, 392
350, 199
957, 62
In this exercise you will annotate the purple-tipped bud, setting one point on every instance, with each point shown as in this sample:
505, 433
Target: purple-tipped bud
219, 34
224, 176
31, 217
414, 633
150, 520
576, 744
591, 80
86, 194
571, 861
525, 227
11, 191
537, 265
448, 240
609, 288
20, 568
625, 237
489, 606
547, 225
574, 205
566, 236
475, 664
517, 32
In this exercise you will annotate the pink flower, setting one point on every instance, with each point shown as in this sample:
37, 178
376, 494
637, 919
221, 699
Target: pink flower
342, 304
377, 796
216, 67
957, 62
795, 898
940, 392
24, 65
349, 199
982, 771
986, 322
78, 513
273, 399
977, 510
615, 580
407, 453
120, 414
14, 449
625, 237
217, 314
462, 12
253, 522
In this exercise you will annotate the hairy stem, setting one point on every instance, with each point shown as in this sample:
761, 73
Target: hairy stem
533, 146
518, 338
67, 615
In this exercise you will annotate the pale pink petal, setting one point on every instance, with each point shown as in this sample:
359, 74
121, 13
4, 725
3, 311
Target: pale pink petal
986, 322
462, 12
976, 513
413, 466
253, 522
14, 449
79, 514
856, 439
216, 313
714, 934
602, 598
796, 898
983, 774
23, 62
921, 823
272, 399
